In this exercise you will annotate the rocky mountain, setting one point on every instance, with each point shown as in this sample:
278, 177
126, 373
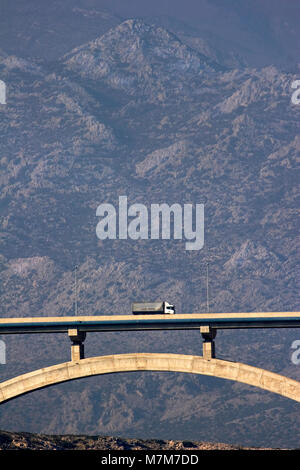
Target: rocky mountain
257, 33
133, 58
137, 111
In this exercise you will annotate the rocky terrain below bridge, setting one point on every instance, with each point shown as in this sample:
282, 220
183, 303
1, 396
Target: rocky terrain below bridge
28, 441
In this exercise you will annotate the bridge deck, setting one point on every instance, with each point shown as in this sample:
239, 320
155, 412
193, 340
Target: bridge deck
188, 321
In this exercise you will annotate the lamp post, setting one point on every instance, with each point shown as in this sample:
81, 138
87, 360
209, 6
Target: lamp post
75, 291
207, 289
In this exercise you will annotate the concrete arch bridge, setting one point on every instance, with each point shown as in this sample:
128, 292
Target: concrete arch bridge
208, 364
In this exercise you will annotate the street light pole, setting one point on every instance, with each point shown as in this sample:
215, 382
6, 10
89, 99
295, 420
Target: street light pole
75, 291
207, 290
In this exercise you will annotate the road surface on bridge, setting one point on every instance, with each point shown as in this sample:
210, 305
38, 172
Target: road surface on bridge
187, 321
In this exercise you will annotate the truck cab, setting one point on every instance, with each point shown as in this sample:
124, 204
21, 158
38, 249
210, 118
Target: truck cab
168, 308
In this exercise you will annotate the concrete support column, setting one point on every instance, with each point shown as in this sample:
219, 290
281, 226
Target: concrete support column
77, 349
208, 335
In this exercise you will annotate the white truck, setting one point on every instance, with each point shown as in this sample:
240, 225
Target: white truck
142, 308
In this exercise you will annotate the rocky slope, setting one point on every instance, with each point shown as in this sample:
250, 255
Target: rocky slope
27, 441
139, 112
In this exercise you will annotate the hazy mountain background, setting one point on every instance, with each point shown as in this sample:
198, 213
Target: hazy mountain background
163, 103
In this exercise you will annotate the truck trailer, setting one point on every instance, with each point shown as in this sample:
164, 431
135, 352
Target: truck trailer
160, 308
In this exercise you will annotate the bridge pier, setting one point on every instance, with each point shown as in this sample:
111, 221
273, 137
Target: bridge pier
77, 349
208, 335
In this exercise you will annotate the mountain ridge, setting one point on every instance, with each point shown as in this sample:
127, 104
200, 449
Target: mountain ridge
69, 143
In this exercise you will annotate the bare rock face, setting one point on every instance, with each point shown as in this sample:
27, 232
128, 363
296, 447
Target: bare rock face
140, 111
135, 57
27, 441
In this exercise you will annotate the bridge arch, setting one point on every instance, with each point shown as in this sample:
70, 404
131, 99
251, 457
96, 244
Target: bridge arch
72, 370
